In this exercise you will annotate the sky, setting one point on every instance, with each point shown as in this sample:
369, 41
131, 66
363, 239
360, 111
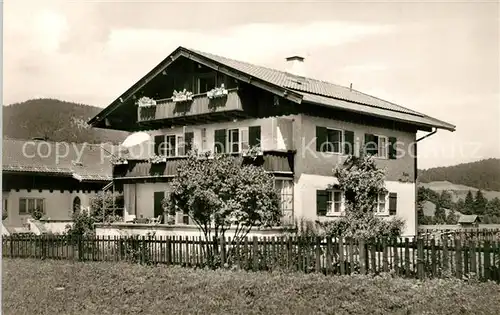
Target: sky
439, 58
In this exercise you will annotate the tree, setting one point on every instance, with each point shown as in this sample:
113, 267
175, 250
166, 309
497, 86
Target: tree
480, 203
362, 182
459, 206
452, 217
493, 207
445, 199
222, 191
469, 203
440, 215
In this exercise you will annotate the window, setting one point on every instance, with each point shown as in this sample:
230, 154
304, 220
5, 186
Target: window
233, 140
206, 82
376, 145
204, 139
335, 202
334, 140
170, 145
381, 204
28, 205
285, 190
329, 202
76, 204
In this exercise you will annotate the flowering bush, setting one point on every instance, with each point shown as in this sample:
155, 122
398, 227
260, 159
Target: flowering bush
361, 182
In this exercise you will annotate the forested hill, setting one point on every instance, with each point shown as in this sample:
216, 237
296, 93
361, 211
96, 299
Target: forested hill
55, 120
484, 174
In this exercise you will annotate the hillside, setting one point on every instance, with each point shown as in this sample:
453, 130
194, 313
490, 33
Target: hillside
57, 120
458, 191
484, 175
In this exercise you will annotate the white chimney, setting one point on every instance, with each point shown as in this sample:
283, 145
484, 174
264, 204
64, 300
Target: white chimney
296, 66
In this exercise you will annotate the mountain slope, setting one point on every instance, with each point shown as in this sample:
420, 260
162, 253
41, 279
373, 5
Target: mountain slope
57, 120
484, 174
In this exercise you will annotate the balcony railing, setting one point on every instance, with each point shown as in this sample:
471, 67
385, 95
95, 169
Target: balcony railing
199, 105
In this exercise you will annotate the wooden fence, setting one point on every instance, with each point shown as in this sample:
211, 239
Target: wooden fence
413, 258
464, 234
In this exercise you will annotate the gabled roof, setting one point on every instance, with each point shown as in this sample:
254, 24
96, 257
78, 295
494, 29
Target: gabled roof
468, 218
298, 89
83, 161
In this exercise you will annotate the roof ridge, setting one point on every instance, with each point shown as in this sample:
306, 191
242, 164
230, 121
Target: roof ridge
307, 78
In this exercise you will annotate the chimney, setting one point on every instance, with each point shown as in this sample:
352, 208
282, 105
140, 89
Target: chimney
296, 66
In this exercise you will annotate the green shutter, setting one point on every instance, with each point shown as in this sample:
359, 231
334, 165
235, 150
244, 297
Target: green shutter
321, 138
349, 142
158, 144
393, 202
188, 142
220, 141
254, 136
392, 148
158, 203
321, 202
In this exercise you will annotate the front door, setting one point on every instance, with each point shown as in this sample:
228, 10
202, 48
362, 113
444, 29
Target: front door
158, 203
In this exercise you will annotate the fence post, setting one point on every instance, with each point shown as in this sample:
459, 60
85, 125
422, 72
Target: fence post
168, 251
222, 250
11, 239
318, 254
362, 256
420, 258
458, 258
255, 258
487, 265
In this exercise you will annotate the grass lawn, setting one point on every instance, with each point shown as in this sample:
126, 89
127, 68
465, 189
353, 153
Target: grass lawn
62, 287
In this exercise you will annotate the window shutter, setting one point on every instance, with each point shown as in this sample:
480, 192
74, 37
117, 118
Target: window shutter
220, 141
321, 202
349, 142
180, 146
158, 203
371, 147
254, 136
158, 144
188, 141
321, 138
393, 201
392, 148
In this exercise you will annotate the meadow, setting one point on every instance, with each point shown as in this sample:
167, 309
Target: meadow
33, 286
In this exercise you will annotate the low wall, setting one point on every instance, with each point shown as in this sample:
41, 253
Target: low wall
132, 229
56, 226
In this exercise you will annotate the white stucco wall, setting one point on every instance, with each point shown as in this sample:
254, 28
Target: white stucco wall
276, 134
145, 198
305, 199
58, 206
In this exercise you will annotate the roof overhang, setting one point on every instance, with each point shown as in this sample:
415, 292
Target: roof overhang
183, 52
423, 122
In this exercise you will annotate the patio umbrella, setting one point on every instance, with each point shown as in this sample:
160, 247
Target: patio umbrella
135, 139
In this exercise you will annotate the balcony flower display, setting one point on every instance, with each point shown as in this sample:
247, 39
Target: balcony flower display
217, 92
253, 152
157, 159
146, 101
182, 96
118, 160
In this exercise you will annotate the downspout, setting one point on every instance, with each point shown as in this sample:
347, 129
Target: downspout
415, 176
415, 153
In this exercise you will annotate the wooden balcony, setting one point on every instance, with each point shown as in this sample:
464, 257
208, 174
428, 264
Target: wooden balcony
199, 105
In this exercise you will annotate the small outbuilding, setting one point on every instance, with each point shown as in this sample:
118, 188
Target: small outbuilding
469, 220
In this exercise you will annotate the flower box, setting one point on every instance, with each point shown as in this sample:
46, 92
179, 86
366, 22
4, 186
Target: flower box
182, 96
146, 101
157, 159
217, 92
